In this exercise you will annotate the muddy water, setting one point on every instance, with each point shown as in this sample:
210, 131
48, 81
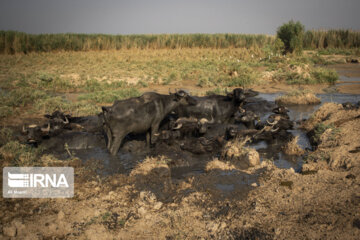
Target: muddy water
349, 78
184, 163
297, 113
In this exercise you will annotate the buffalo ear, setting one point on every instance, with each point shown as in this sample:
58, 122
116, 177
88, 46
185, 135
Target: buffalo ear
106, 109
180, 94
230, 95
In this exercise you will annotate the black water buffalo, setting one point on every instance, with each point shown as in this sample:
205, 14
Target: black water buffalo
34, 134
259, 106
246, 117
140, 115
58, 123
216, 108
72, 140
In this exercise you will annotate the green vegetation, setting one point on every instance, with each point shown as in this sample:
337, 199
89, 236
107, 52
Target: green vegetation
300, 73
320, 128
79, 108
331, 39
77, 82
324, 75
12, 42
5, 135
291, 34
217, 91
19, 154
109, 96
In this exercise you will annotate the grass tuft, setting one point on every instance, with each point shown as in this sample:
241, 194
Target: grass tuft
17, 154
297, 97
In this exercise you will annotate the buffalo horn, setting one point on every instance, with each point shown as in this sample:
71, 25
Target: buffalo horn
23, 129
272, 123
203, 121
47, 129
66, 120
275, 130
178, 126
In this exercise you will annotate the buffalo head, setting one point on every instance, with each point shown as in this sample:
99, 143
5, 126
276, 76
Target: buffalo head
184, 98
35, 133
238, 95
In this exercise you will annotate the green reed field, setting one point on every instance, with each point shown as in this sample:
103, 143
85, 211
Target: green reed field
12, 42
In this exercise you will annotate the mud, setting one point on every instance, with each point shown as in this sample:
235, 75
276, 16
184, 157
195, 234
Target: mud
165, 193
349, 75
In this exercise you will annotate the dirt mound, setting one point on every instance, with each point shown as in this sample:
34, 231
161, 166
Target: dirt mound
322, 114
336, 132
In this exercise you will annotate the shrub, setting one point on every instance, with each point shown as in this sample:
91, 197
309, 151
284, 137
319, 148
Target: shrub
320, 129
291, 34
322, 75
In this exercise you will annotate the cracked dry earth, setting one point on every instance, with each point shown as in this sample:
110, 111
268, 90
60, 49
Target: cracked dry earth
223, 202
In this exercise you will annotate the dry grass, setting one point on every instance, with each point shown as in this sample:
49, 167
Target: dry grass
216, 164
292, 147
235, 148
126, 65
236, 152
297, 98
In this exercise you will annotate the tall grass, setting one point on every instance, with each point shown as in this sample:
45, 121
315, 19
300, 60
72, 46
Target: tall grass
12, 42
17, 42
331, 39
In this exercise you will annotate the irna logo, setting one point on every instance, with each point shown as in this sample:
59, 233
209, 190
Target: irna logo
38, 182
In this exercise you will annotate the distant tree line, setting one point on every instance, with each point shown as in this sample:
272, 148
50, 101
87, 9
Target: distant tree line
12, 42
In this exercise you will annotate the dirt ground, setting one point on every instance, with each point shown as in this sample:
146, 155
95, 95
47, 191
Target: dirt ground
224, 202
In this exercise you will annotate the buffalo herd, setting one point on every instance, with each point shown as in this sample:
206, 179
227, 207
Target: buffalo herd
188, 123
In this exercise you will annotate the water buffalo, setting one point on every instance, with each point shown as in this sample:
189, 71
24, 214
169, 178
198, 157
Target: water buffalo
34, 133
216, 108
58, 123
246, 117
70, 140
259, 106
140, 115
190, 126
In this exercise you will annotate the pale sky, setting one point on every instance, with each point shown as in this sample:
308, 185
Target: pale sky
170, 16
